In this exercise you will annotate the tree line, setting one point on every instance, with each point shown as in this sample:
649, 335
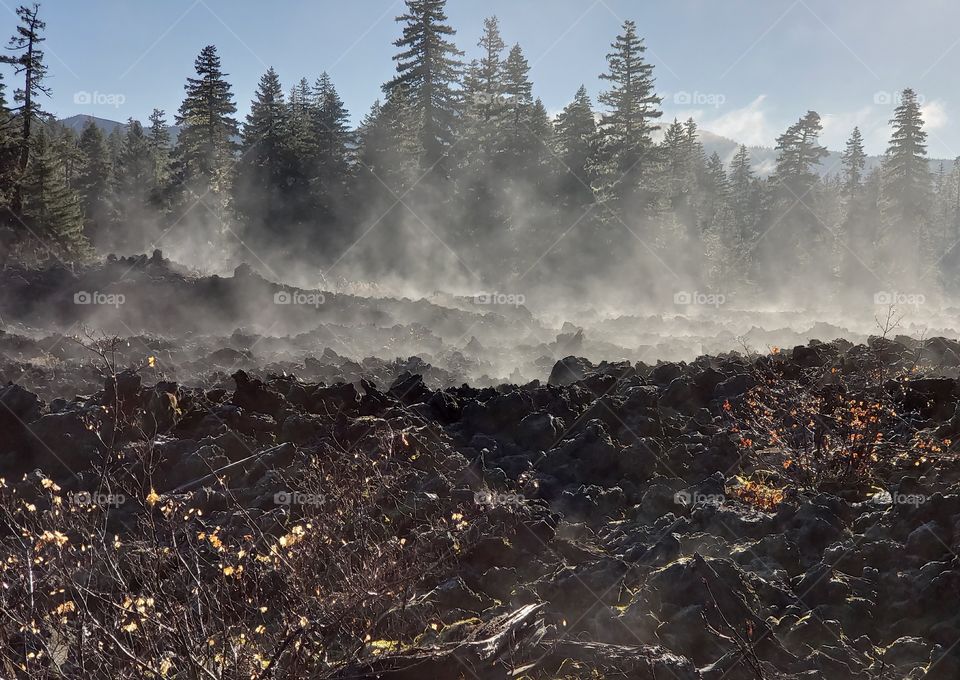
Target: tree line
460, 161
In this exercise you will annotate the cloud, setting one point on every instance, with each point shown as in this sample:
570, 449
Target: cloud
838, 126
934, 114
749, 125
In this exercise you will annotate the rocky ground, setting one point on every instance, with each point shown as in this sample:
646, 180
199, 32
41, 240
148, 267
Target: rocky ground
189, 508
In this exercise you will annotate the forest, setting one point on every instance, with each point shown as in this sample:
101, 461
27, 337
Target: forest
459, 175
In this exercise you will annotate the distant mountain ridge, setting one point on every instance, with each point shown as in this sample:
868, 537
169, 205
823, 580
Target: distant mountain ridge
762, 158
80, 121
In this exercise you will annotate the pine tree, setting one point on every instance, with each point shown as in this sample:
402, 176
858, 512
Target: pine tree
798, 152
331, 124
489, 72
158, 138
159, 132
207, 141
303, 144
905, 191
428, 67
519, 96
51, 210
854, 160
677, 176
8, 152
136, 185
94, 184
263, 169
387, 154
576, 132
795, 225
744, 195
718, 184
627, 154
30, 64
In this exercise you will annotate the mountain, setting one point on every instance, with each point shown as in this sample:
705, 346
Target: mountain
80, 121
762, 158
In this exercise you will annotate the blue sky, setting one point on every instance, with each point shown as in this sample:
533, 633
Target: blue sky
745, 69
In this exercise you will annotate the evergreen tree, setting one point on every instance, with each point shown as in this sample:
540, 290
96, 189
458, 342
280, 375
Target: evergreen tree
795, 227
388, 158
744, 196
905, 191
519, 97
854, 160
428, 68
627, 155
207, 141
8, 151
262, 170
718, 184
51, 210
93, 184
30, 64
136, 186
159, 132
158, 138
488, 91
334, 140
576, 132
799, 152
678, 179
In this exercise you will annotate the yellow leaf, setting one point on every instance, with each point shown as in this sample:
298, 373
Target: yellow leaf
153, 497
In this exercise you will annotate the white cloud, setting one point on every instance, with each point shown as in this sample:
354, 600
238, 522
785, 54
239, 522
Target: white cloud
934, 114
838, 126
749, 125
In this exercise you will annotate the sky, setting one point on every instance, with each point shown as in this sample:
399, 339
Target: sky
745, 69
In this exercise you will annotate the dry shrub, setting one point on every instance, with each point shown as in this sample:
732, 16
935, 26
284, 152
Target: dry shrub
159, 587
828, 428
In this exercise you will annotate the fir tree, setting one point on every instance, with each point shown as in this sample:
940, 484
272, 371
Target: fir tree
905, 192
428, 67
489, 72
8, 151
334, 138
743, 191
519, 95
208, 131
158, 138
576, 132
30, 64
795, 226
854, 160
94, 183
51, 210
799, 151
136, 183
627, 157
263, 169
